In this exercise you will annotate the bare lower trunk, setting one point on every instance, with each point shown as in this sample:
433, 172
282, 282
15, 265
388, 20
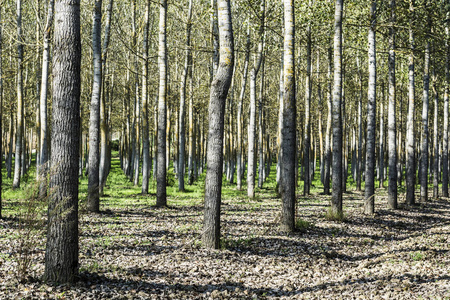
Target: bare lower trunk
392, 125
61, 255
162, 108
288, 129
219, 90
336, 198
410, 138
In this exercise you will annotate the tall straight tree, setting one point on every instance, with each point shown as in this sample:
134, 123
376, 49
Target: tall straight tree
61, 254
289, 126
145, 111
251, 135
162, 108
104, 162
240, 163
392, 125
336, 197
1, 107
446, 92
219, 90
43, 142
425, 103
19, 124
182, 115
436, 176
93, 198
369, 202
327, 167
410, 135
307, 132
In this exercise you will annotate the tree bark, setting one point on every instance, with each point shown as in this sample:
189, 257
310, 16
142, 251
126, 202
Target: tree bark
93, 199
104, 128
392, 125
307, 128
425, 129
289, 126
435, 139
219, 91
20, 106
43, 141
61, 255
182, 115
410, 134
445, 131
240, 163
162, 108
145, 128
1, 110
369, 201
327, 168
336, 198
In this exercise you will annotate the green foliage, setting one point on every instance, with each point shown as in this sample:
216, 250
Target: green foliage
417, 256
31, 225
334, 216
303, 225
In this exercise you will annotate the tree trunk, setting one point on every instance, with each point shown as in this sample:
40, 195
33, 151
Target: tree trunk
251, 165
425, 101
93, 200
145, 128
369, 201
327, 168
20, 108
240, 163
410, 135
61, 255
289, 126
104, 147
218, 95
182, 121
162, 108
392, 125
43, 141
435, 139
1, 110
336, 199
307, 132
445, 131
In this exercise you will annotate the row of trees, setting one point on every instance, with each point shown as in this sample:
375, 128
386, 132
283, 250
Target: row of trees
296, 73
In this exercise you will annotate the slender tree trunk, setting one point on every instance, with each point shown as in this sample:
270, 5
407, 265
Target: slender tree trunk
261, 129
288, 130
359, 163
43, 141
104, 147
336, 199
307, 132
410, 138
327, 169
445, 131
392, 125
182, 121
20, 108
435, 139
240, 163
425, 101
218, 95
251, 165
145, 128
1, 110
61, 255
93, 199
162, 108
369, 202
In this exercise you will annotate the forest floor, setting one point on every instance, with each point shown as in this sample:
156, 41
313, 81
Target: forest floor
133, 250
